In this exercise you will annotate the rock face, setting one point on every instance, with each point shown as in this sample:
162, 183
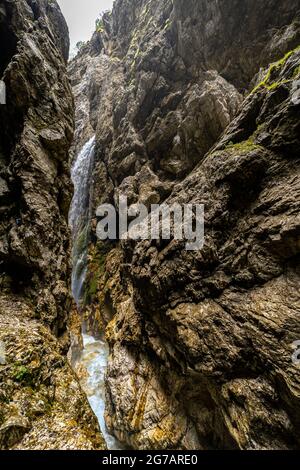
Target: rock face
41, 403
200, 342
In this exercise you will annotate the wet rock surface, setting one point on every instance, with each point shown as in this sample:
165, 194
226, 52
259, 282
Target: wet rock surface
187, 108
41, 403
91, 369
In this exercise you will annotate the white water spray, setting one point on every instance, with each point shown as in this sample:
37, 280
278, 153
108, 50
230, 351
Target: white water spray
79, 216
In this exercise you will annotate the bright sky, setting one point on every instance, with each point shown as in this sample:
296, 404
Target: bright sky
81, 16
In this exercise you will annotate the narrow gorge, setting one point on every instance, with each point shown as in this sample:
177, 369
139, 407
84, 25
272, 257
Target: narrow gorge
143, 344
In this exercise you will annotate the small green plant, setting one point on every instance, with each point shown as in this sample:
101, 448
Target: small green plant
99, 25
21, 374
100, 22
80, 45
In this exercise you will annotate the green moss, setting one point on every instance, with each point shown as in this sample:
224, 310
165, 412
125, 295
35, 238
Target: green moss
167, 24
267, 82
92, 287
80, 45
245, 146
96, 269
82, 240
101, 252
296, 73
137, 53
21, 374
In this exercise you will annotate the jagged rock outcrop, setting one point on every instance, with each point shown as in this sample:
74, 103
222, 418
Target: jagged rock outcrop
41, 403
200, 341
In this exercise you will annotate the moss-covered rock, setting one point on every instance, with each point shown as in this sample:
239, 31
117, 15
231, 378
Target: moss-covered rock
272, 80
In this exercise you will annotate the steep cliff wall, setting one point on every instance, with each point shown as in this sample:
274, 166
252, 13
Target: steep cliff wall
200, 341
41, 403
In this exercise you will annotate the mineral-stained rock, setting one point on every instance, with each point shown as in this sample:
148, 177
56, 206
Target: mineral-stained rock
41, 403
222, 321
187, 108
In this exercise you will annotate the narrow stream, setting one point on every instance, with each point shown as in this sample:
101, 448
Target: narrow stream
92, 363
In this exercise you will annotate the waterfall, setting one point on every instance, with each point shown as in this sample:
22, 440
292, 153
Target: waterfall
92, 363
79, 217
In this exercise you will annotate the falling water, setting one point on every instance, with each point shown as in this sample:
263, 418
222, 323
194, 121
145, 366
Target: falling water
92, 363
79, 216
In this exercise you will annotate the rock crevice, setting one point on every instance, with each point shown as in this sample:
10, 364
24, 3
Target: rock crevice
41, 403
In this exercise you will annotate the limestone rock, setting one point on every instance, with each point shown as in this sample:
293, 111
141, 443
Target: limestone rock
187, 108
41, 403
